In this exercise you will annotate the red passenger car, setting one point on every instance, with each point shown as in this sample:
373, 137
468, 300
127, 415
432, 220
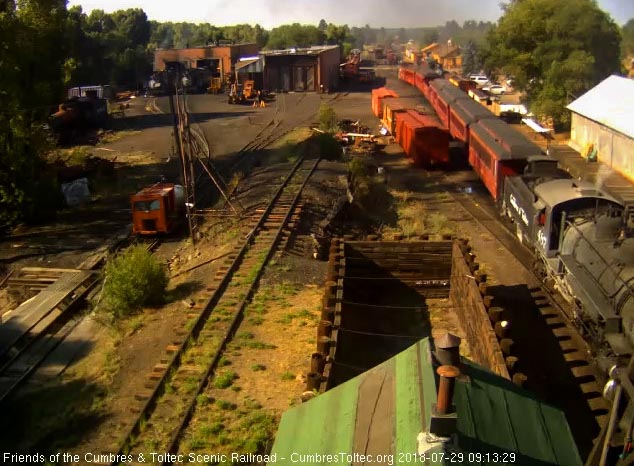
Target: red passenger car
462, 114
496, 151
443, 97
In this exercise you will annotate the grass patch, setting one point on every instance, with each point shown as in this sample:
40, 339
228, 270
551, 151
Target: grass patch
226, 405
288, 376
290, 316
259, 345
414, 219
209, 430
256, 320
202, 400
116, 135
258, 367
224, 362
225, 379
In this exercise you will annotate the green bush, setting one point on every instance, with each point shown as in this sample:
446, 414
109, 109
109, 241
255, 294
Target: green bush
134, 278
328, 119
329, 148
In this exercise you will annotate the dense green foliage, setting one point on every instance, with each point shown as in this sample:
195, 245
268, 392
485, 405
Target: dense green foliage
555, 51
134, 278
30, 81
628, 39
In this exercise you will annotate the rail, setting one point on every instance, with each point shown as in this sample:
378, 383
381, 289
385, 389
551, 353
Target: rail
195, 335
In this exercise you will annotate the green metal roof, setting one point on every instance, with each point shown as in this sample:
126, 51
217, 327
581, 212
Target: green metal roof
382, 411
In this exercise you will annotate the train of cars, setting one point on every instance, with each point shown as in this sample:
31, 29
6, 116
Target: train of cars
579, 234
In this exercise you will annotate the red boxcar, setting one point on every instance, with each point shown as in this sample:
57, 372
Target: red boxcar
395, 105
422, 138
407, 75
462, 114
377, 99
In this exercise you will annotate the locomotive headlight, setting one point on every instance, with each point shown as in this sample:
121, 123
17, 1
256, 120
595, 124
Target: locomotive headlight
609, 389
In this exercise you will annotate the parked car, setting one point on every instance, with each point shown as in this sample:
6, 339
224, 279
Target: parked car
480, 80
495, 89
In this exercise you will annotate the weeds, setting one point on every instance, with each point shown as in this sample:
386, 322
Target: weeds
259, 345
225, 379
258, 367
226, 405
134, 278
288, 376
224, 362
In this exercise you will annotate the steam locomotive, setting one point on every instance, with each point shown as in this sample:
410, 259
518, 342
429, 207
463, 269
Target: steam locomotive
580, 235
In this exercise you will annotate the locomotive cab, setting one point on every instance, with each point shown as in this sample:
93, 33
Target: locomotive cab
157, 209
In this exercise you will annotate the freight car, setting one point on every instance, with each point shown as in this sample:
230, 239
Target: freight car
423, 138
377, 100
157, 209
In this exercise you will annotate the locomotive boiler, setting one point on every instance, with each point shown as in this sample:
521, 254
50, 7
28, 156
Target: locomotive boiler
577, 233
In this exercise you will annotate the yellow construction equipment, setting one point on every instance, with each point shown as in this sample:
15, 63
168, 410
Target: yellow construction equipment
249, 89
215, 87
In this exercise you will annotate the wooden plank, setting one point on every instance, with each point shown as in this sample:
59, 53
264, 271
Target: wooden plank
47, 269
27, 315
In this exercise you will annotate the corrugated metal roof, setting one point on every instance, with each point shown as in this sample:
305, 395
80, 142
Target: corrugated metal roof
253, 65
383, 410
610, 103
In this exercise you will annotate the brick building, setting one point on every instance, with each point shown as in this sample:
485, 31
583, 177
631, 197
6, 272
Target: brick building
219, 60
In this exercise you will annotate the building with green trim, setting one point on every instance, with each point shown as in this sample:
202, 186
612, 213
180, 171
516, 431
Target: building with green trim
383, 417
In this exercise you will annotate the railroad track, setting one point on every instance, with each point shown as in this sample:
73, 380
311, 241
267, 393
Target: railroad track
574, 349
164, 409
47, 326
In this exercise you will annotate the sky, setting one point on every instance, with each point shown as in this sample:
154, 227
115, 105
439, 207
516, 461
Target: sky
376, 13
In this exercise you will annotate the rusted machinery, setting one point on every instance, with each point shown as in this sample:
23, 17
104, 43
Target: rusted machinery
157, 209
77, 115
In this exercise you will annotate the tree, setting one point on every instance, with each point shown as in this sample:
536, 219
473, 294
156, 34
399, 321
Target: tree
32, 56
295, 35
471, 62
429, 36
323, 25
628, 38
554, 50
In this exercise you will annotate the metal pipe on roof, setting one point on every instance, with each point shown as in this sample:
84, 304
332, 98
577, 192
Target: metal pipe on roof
446, 386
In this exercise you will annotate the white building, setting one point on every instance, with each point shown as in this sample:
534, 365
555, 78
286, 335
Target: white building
603, 120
